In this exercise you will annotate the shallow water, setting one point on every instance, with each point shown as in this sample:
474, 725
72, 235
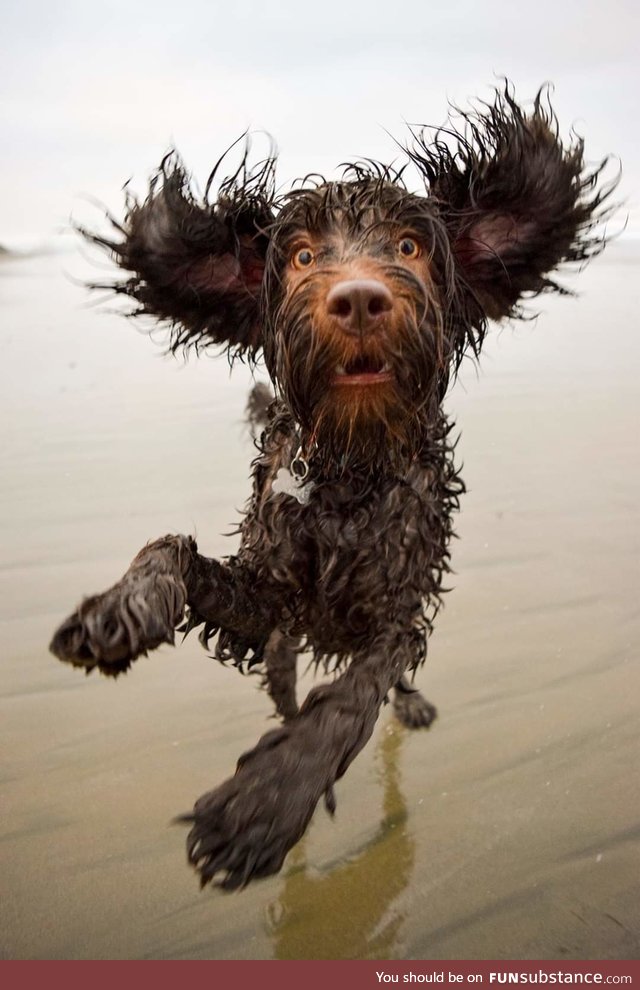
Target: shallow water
510, 830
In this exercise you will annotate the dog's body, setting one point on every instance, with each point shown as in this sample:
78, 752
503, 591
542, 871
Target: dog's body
363, 298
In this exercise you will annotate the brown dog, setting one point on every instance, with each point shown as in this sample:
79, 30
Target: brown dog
363, 298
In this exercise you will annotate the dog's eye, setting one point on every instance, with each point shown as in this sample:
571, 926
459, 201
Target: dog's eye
408, 248
303, 258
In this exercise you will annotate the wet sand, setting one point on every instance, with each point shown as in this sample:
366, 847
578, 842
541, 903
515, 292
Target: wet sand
510, 830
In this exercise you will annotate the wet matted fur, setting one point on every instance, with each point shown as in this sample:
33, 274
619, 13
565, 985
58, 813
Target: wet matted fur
362, 297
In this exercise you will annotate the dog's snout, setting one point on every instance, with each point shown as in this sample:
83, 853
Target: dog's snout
359, 304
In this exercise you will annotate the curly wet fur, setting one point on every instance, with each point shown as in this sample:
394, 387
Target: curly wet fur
353, 571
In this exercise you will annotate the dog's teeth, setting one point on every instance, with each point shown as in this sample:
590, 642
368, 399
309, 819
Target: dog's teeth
385, 367
340, 370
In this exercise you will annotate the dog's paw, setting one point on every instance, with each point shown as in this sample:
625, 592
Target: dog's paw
244, 829
413, 710
109, 631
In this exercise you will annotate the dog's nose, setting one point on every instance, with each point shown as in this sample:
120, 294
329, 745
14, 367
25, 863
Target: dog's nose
360, 304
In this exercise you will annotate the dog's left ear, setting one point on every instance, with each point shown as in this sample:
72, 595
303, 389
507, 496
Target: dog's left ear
515, 200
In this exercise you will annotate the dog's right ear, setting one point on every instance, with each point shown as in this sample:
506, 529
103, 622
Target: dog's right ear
197, 265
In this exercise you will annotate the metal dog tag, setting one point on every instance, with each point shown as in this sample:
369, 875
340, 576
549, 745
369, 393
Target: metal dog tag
287, 484
293, 482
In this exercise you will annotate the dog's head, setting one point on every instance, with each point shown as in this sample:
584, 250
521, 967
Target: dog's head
354, 308
363, 295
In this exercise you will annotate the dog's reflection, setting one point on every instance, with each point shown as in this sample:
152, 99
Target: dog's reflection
351, 909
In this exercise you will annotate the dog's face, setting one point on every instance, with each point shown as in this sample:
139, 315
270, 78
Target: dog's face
353, 312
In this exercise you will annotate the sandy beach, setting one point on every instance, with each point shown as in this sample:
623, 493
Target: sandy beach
509, 830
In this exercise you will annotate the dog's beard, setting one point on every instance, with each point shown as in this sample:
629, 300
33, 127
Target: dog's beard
360, 425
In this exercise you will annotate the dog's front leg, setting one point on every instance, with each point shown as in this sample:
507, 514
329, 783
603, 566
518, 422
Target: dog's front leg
244, 828
142, 610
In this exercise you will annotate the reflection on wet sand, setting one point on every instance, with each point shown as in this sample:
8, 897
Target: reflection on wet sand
348, 910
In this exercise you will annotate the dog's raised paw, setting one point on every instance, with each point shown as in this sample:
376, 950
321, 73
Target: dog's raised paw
231, 859
109, 631
243, 829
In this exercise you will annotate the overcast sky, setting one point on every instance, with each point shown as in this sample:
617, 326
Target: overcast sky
97, 92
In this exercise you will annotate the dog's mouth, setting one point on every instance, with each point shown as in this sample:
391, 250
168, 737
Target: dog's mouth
362, 370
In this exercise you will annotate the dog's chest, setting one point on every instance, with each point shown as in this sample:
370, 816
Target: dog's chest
348, 552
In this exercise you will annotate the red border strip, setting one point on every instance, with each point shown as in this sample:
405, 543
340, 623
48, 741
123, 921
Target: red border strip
299, 975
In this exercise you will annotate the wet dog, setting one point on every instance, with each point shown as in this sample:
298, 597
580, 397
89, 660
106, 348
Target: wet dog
362, 297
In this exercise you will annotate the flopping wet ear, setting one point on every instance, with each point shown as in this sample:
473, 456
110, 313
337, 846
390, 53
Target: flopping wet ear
517, 201
197, 265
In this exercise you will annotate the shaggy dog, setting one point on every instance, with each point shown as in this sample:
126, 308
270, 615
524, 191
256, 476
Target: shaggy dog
362, 297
